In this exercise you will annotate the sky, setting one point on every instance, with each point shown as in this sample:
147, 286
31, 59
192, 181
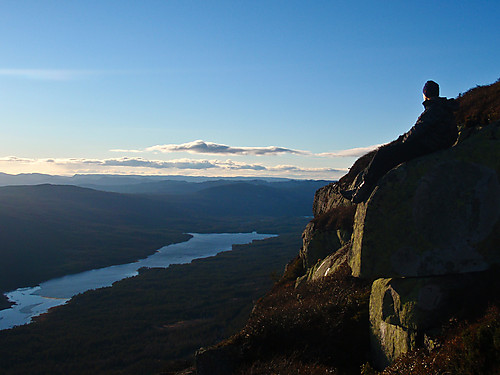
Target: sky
295, 89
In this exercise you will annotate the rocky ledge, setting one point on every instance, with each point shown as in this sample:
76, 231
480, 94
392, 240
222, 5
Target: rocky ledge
427, 240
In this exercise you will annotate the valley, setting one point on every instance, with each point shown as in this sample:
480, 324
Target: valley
155, 321
53, 230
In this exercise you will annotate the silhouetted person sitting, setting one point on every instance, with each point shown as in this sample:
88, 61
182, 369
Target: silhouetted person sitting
434, 130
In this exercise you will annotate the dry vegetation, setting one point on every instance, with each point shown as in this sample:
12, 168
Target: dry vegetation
152, 323
465, 349
321, 327
318, 328
342, 217
479, 106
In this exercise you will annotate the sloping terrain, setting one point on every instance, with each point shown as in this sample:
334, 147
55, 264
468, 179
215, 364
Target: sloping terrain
49, 231
53, 230
299, 329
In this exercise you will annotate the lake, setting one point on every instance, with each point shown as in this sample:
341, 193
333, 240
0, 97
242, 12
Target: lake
33, 301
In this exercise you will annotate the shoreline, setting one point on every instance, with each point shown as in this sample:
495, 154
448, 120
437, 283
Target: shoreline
142, 250
64, 288
172, 304
4, 302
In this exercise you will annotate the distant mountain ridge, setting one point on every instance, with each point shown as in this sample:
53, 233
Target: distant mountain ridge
52, 230
88, 180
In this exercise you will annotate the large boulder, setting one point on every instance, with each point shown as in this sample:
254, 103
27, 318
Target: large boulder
330, 230
435, 215
405, 312
328, 198
330, 264
317, 244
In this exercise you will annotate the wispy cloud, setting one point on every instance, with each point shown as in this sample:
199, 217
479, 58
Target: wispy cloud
157, 164
48, 74
202, 147
129, 165
353, 152
135, 164
126, 151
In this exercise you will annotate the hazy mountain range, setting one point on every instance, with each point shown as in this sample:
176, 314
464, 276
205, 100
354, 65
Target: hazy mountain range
88, 180
51, 230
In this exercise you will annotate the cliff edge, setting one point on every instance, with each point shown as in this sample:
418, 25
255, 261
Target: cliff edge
377, 282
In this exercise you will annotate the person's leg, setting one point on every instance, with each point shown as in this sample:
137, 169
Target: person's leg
386, 158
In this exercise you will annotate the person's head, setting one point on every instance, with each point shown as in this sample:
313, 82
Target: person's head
431, 90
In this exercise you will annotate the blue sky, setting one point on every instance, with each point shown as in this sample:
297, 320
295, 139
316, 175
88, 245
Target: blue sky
218, 88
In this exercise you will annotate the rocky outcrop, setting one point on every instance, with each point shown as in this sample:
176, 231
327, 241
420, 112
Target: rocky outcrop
406, 312
318, 243
429, 231
435, 215
332, 226
330, 264
428, 238
328, 198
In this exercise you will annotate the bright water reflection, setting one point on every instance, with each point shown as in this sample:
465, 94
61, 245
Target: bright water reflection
30, 302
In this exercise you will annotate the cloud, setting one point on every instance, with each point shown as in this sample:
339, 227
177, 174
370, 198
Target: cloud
233, 165
15, 159
125, 151
202, 147
138, 165
47, 74
293, 168
159, 164
353, 152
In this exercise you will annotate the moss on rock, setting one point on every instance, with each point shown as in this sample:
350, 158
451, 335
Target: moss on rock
432, 215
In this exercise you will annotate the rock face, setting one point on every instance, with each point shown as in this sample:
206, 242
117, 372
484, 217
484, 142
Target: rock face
317, 244
435, 215
404, 312
332, 226
330, 264
427, 236
328, 232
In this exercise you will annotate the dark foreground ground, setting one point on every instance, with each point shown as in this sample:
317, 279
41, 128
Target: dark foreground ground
152, 323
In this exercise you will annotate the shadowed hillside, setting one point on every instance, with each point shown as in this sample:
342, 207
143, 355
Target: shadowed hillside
151, 323
479, 106
50, 231
54, 230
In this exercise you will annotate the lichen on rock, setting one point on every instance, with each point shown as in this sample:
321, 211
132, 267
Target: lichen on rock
431, 216
405, 311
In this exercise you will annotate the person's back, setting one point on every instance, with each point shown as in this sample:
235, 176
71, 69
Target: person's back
434, 130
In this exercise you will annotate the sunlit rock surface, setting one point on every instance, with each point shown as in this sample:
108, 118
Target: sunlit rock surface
434, 215
317, 244
404, 312
428, 239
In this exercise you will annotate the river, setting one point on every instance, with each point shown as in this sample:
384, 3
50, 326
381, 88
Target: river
33, 301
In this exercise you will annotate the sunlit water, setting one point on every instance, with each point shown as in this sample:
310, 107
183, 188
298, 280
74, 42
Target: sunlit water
30, 302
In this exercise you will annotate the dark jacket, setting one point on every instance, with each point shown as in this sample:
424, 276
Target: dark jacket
436, 127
